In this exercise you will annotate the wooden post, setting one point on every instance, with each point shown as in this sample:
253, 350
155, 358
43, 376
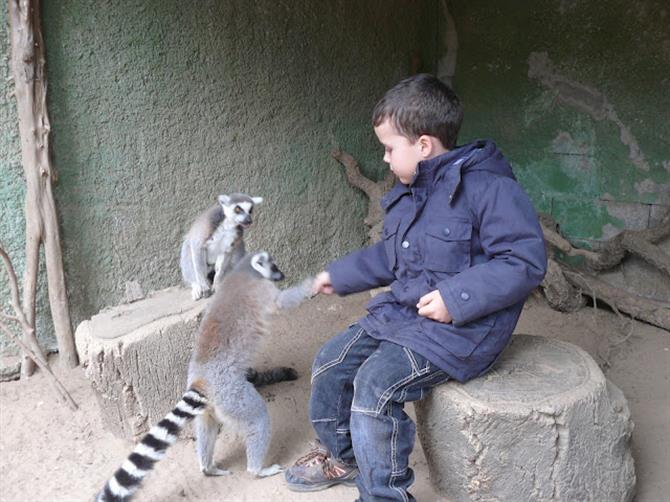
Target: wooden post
28, 67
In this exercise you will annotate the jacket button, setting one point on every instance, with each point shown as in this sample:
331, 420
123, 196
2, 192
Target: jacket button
405, 244
447, 231
464, 296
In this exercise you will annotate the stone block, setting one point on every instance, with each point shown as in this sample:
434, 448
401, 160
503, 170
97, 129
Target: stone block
136, 357
543, 425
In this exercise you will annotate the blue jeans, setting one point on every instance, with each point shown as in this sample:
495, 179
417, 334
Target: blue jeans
359, 387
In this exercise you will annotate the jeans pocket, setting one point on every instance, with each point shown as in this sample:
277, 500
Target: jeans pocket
335, 350
384, 375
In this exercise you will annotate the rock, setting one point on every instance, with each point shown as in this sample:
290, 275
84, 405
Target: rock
133, 292
136, 357
543, 424
10, 368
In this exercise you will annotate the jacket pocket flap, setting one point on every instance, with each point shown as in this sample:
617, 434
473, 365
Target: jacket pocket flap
461, 341
450, 230
390, 228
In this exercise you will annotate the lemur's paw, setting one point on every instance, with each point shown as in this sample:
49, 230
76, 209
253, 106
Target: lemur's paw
307, 285
198, 292
268, 471
214, 471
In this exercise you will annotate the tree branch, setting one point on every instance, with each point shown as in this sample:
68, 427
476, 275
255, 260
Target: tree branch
44, 366
31, 347
373, 189
30, 87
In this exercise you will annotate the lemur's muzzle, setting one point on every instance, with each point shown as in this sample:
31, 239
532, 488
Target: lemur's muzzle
277, 275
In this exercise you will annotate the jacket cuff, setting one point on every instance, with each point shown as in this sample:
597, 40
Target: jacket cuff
459, 302
336, 277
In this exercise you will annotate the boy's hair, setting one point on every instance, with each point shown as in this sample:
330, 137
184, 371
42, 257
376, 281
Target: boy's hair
422, 104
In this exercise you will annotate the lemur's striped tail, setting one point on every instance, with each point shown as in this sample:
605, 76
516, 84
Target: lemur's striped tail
152, 448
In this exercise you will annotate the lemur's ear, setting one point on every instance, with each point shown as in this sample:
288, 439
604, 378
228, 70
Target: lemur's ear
257, 200
224, 199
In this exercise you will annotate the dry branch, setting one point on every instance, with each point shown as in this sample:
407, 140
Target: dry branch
563, 285
373, 189
638, 242
644, 309
28, 65
30, 346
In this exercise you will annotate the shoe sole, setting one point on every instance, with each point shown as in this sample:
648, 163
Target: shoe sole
320, 486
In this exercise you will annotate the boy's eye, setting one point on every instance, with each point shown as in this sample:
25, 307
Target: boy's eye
238, 210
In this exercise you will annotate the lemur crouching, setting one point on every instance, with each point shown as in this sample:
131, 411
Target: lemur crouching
218, 388
215, 242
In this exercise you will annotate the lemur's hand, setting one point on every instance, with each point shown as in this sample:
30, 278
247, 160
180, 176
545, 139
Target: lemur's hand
322, 284
431, 305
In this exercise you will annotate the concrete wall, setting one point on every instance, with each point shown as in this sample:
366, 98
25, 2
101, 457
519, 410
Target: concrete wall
158, 106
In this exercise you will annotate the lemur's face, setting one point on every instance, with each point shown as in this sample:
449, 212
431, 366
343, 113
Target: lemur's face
239, 208
265, 265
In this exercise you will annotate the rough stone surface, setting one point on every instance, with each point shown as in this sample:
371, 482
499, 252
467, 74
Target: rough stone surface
136, 357
544, 424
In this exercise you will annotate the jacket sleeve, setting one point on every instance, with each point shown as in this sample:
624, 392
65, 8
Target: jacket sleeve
364, 269
512, 239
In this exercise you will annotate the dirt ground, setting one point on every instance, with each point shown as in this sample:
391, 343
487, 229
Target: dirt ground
49, 453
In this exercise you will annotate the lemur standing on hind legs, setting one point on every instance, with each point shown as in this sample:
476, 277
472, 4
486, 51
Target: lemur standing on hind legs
214, 243
218, 391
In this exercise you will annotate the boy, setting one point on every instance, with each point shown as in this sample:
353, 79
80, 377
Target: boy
462, 249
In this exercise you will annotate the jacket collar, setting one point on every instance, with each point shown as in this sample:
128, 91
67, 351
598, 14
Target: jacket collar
447, 167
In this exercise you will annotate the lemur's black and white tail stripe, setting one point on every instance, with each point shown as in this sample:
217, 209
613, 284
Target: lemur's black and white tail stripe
152, 448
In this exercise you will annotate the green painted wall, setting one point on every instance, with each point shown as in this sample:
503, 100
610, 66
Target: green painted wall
577, 94
158, 106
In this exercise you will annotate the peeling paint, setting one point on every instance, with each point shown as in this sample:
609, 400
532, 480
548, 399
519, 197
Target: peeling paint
446, 66
585, 99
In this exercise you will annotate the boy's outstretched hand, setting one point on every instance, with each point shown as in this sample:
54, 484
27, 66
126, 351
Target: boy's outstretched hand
322, 284
432, 306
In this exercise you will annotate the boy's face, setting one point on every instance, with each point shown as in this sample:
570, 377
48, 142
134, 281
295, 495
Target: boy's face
400, 153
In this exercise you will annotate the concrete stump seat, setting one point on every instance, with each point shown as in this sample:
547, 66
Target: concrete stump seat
543, 425
136, 356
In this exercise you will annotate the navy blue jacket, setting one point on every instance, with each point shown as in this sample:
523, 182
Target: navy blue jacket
464, 226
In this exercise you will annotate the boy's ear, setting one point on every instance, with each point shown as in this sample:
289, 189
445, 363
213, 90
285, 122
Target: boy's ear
425, 145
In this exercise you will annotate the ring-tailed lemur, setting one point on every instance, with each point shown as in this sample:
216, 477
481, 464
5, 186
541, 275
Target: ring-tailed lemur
215, 242
218, 390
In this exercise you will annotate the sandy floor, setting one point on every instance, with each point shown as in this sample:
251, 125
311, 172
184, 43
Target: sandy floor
49, 453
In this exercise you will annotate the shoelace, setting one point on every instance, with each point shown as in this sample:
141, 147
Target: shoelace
315, 456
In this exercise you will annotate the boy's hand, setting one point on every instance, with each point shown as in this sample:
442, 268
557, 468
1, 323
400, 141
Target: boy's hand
432, 306
322, 284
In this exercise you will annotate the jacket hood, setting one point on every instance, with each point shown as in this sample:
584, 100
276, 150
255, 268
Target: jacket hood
483, 155
480, 155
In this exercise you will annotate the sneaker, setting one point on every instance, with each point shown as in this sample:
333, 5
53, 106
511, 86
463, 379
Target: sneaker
317, 471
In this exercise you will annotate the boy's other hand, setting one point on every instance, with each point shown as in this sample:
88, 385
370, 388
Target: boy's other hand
432, 306
322, 284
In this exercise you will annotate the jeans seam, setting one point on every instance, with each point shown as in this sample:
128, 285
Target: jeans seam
412, 360
394, 461
339, 358
386, 395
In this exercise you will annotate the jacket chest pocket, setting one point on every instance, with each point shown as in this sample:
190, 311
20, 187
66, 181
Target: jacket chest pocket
448, 245
389, 236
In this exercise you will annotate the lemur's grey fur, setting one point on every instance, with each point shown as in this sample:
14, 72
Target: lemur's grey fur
214, 243
218, 391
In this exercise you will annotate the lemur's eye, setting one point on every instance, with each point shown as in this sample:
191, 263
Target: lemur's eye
238, 209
